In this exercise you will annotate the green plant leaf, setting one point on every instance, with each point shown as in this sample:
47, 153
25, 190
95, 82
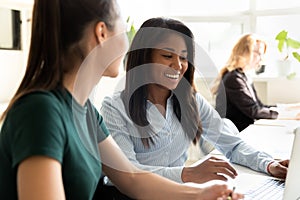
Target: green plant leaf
293, 43
281, 35
285, 42
291, 75
132, 31
280, 45
297, 56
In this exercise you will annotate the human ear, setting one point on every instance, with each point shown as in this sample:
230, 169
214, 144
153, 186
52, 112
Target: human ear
101, 32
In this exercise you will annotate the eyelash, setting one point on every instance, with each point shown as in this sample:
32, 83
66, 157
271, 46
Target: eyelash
170, 56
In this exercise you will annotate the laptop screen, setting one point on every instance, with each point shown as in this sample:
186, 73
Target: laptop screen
292, 183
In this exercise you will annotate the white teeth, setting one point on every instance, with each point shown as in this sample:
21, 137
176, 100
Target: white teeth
172, 76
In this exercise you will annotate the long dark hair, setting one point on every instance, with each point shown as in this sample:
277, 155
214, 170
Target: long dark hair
57, 27
152, 32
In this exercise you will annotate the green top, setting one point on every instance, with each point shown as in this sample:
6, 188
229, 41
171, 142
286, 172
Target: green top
45, 123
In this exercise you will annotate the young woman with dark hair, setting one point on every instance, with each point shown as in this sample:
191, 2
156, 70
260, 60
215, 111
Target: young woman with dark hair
159, 113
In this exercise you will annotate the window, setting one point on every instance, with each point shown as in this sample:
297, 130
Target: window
217, 24
214, 38
10, 26
275, 24
276, 4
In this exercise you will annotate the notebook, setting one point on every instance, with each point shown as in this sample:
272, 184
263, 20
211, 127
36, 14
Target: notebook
271, 188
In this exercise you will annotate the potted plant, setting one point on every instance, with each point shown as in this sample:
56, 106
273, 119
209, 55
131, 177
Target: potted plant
287, 46
131, 30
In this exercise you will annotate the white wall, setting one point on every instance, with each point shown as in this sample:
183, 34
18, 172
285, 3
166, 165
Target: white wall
12, 66
11, 72
13, 62
278, 90
270, 90
5, 20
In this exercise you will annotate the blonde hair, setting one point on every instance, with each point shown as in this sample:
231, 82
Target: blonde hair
239, 57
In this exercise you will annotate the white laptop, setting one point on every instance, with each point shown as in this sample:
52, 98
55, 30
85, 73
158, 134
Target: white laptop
271, 188
292, 183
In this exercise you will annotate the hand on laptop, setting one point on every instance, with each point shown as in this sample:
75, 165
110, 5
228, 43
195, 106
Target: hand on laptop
210, 169
278, 168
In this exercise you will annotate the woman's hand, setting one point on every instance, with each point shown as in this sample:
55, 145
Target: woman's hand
278, 169
216, 189
211, 169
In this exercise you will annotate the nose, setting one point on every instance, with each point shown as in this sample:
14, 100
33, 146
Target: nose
259, 54
176, 63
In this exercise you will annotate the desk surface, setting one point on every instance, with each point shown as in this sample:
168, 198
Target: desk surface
275, 140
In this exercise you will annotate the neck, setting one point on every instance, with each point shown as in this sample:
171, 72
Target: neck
78, 89
158, 94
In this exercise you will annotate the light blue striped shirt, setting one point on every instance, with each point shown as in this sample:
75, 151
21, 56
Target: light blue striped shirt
168, 154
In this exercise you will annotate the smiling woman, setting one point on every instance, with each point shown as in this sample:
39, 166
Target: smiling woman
155, 119
173, 63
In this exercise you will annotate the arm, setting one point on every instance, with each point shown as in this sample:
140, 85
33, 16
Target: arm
118, 123
40, 177
238, 93
38, 148
222, 133
144, 185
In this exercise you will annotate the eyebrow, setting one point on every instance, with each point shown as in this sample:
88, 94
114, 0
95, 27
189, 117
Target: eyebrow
173, 50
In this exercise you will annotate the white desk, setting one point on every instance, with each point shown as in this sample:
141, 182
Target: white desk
247, 178
276, 140
272, 136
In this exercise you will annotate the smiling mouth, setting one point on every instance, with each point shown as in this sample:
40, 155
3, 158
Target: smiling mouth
172, 76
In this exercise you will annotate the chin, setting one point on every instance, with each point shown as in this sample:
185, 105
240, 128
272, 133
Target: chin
112, 70
111, 74
171, 87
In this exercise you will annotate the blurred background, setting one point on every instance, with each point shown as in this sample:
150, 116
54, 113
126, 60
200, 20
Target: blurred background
216, 24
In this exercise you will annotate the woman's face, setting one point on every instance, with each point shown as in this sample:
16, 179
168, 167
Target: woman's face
116, 47
256, 57
169, 61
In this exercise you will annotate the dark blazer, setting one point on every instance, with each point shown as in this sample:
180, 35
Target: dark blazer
235, 101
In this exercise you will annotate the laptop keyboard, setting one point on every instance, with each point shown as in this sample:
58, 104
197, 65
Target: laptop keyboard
270, 189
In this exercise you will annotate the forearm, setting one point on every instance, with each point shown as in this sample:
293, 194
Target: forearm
140, 185
165, 189
247, 156
225, 137
172, 173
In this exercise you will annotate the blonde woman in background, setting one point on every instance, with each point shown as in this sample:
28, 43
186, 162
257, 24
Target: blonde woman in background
236, 97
